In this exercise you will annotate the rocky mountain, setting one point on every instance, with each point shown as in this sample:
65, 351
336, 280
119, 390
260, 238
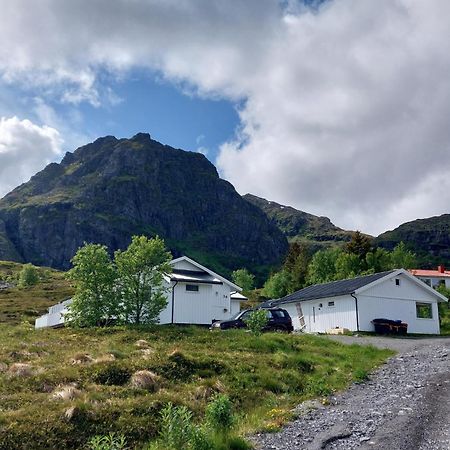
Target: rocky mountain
113, 188
317, 232
428, 238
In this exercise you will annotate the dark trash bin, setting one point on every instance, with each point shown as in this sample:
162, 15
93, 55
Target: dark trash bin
388, 326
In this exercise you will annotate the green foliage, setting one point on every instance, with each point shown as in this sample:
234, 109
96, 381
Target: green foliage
95, 300
323, 266
244, 279
359, 245
378, 260
141, 269
257, 321
402, 258
28, 276
219, 414
296, 266
176, 427
112, 374
110, 441
348, 265
277, 285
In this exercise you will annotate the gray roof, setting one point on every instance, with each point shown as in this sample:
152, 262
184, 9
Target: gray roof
192, 276
332, 289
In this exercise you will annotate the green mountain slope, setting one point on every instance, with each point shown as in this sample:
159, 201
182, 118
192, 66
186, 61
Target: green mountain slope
113, 188
428, 238
300, 226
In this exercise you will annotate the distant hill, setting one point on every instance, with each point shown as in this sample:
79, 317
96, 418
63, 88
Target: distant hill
110, 189
428, 238
318, 232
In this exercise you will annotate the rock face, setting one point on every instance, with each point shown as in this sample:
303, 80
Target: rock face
300, 226
428, 238
111, 189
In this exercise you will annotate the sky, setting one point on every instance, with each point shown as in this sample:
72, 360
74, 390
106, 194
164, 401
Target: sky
339, 107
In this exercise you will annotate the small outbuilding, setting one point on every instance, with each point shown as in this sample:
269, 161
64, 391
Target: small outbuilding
354, 303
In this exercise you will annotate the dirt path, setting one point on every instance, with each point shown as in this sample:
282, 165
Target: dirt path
405, 405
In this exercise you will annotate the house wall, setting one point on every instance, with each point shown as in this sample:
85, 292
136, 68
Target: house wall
386, 300
319, 317
235, 306
211, 302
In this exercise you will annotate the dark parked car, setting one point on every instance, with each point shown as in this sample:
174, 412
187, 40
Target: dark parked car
279, 320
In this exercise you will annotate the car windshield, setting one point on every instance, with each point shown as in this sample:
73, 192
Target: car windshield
236, 316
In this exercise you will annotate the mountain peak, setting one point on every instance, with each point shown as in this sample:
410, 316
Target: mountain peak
111, 189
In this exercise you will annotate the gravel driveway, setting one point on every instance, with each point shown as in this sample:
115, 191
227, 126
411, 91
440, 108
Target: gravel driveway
405, 405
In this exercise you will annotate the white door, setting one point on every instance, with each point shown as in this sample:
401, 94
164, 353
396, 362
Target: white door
315, 318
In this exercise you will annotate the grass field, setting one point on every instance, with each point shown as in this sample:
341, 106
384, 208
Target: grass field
60, 387
18, 304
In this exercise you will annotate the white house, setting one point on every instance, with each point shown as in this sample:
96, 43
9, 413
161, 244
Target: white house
433, 278
354, 303
195, 295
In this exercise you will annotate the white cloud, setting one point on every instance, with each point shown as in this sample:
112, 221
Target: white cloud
345, 110
25, 148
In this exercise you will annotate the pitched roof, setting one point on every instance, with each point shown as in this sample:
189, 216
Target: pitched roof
430, 273
332, 289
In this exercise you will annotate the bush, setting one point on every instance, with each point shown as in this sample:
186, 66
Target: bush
176, 427
28, 276
108, 442
111, 374
256, 321
219, 413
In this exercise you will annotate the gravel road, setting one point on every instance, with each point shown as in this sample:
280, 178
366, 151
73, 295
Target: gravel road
404, 405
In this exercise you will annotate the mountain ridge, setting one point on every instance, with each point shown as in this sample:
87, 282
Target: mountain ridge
113, 188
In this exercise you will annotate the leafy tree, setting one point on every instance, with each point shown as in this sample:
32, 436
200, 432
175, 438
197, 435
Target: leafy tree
244, 279
28, 276
402, 258
95, 301
296, 266
347, 265
359, 245
141, 269
277, 285
322, 267
256, 321
378, 260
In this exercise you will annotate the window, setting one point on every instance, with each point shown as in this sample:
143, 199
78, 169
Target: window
192, 287
428, 281
330, 304
424, 310
397, 281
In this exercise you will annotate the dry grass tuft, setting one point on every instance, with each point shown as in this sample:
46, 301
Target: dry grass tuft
71, 413
81, 358
67, 392
20, 370
3, 367
146, 353
105, 358
207, 391
145, 379
142, 343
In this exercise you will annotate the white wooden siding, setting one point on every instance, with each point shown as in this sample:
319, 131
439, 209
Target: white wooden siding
389, 301
235, 307
211, 302
319, 319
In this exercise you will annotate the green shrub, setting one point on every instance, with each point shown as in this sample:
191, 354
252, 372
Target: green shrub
256, 321
360, 375
111, 374
111, 441
176, 427
28, 276
219, 414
